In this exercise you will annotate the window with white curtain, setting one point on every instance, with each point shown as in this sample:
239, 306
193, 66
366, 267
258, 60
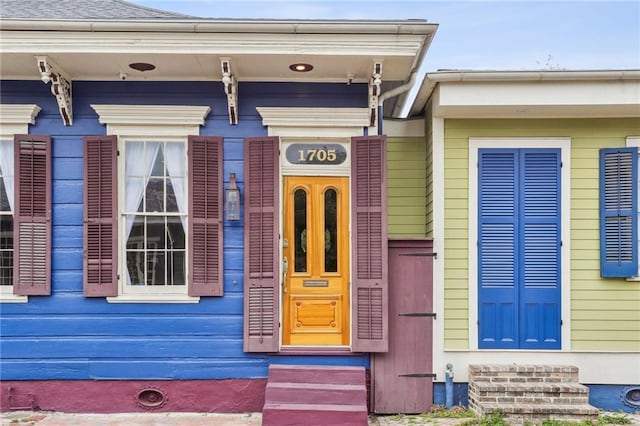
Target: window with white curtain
154, 216
6, 212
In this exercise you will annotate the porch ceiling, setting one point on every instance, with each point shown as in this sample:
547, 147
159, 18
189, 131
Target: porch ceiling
191, 50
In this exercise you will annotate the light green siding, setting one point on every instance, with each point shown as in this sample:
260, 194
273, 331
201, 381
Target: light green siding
406, 189
429, 158
605, 313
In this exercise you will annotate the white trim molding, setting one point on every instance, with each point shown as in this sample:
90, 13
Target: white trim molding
564, 144
302, 121
145, 120
15, 118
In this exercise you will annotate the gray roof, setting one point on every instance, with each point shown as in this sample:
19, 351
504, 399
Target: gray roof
81, 9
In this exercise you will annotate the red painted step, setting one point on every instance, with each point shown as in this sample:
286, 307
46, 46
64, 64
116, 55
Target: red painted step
315, 395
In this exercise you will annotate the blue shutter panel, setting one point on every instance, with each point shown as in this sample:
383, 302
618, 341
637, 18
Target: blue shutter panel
540, 249
498, 224
618, 217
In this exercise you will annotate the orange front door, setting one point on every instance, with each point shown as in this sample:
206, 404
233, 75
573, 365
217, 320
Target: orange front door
315, 291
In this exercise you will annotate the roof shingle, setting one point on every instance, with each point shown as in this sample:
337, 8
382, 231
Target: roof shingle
81, 9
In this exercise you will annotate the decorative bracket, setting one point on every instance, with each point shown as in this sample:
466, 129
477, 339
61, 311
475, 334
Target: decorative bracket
60, 86
374, 92
230, 89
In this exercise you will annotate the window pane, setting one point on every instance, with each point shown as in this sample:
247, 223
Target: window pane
300, 230
176, 268
155, 267
6, 250
134, 165
154, 195
173, 203
135, 267
175, 233
155, 233
330, 231
5, 206
135, 239
158, 164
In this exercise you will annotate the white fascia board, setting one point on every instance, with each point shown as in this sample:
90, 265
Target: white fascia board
209, 43
538, 99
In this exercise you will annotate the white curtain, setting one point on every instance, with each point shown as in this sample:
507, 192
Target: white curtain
6, 165
138, 166
174, 155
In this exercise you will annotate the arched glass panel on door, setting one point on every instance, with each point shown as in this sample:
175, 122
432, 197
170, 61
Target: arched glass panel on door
330, 231
300, 230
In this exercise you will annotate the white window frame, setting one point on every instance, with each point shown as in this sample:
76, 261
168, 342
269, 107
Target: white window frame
15, 120
151, 123
634, 141
562, 143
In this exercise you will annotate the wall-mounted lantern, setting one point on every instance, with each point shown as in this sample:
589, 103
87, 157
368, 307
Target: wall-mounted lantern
232, 199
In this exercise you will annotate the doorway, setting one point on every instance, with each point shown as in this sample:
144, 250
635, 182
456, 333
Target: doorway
315, 284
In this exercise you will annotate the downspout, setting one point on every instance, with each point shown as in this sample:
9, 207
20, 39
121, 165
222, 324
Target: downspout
392, 93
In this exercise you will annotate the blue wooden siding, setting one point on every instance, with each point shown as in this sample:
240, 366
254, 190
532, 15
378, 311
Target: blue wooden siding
519, 249
68, 336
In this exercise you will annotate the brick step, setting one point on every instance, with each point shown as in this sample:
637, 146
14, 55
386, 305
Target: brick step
559, 373
314, 414
529, 389
574, 412
310, 393
317, 374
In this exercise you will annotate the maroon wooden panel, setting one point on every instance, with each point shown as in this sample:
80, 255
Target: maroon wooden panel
410, 332
100, 216
205, 218
261, 272
32, 223
369, 236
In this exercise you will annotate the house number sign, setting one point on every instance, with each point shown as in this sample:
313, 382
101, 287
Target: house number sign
330, 154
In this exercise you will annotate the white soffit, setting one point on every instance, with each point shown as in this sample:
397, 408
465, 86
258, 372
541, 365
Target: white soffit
537, 99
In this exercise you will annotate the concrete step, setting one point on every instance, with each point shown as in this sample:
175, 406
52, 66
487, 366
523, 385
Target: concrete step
314, 414
315, 395
316, 374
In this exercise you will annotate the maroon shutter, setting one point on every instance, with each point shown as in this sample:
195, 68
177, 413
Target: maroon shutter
32, 217
369, 230
205, 216
100, 216
261, 276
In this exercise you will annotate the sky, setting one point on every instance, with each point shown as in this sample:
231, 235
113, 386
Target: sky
478, 35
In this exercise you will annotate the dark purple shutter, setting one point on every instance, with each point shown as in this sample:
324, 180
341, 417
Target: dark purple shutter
205, 216
100, 216
32, 217
369, 230
261, 277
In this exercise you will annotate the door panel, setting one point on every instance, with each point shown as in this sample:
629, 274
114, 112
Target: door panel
316, 261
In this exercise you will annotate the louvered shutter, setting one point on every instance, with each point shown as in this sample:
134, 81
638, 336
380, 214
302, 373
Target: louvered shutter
261, 272
32, 217
539, 247
369, 233
497, 254
618, 212
205, 216
100, 216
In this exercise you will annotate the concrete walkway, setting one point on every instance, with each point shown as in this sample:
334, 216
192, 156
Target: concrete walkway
46, 418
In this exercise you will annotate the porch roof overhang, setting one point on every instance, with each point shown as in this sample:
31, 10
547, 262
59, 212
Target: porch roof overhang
530, 94
191, 49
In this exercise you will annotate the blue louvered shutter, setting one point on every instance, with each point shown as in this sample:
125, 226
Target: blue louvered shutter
539, 249
497, 229
618, 216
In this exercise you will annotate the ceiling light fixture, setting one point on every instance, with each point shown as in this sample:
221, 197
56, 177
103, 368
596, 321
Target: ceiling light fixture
142, 66
300, 67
